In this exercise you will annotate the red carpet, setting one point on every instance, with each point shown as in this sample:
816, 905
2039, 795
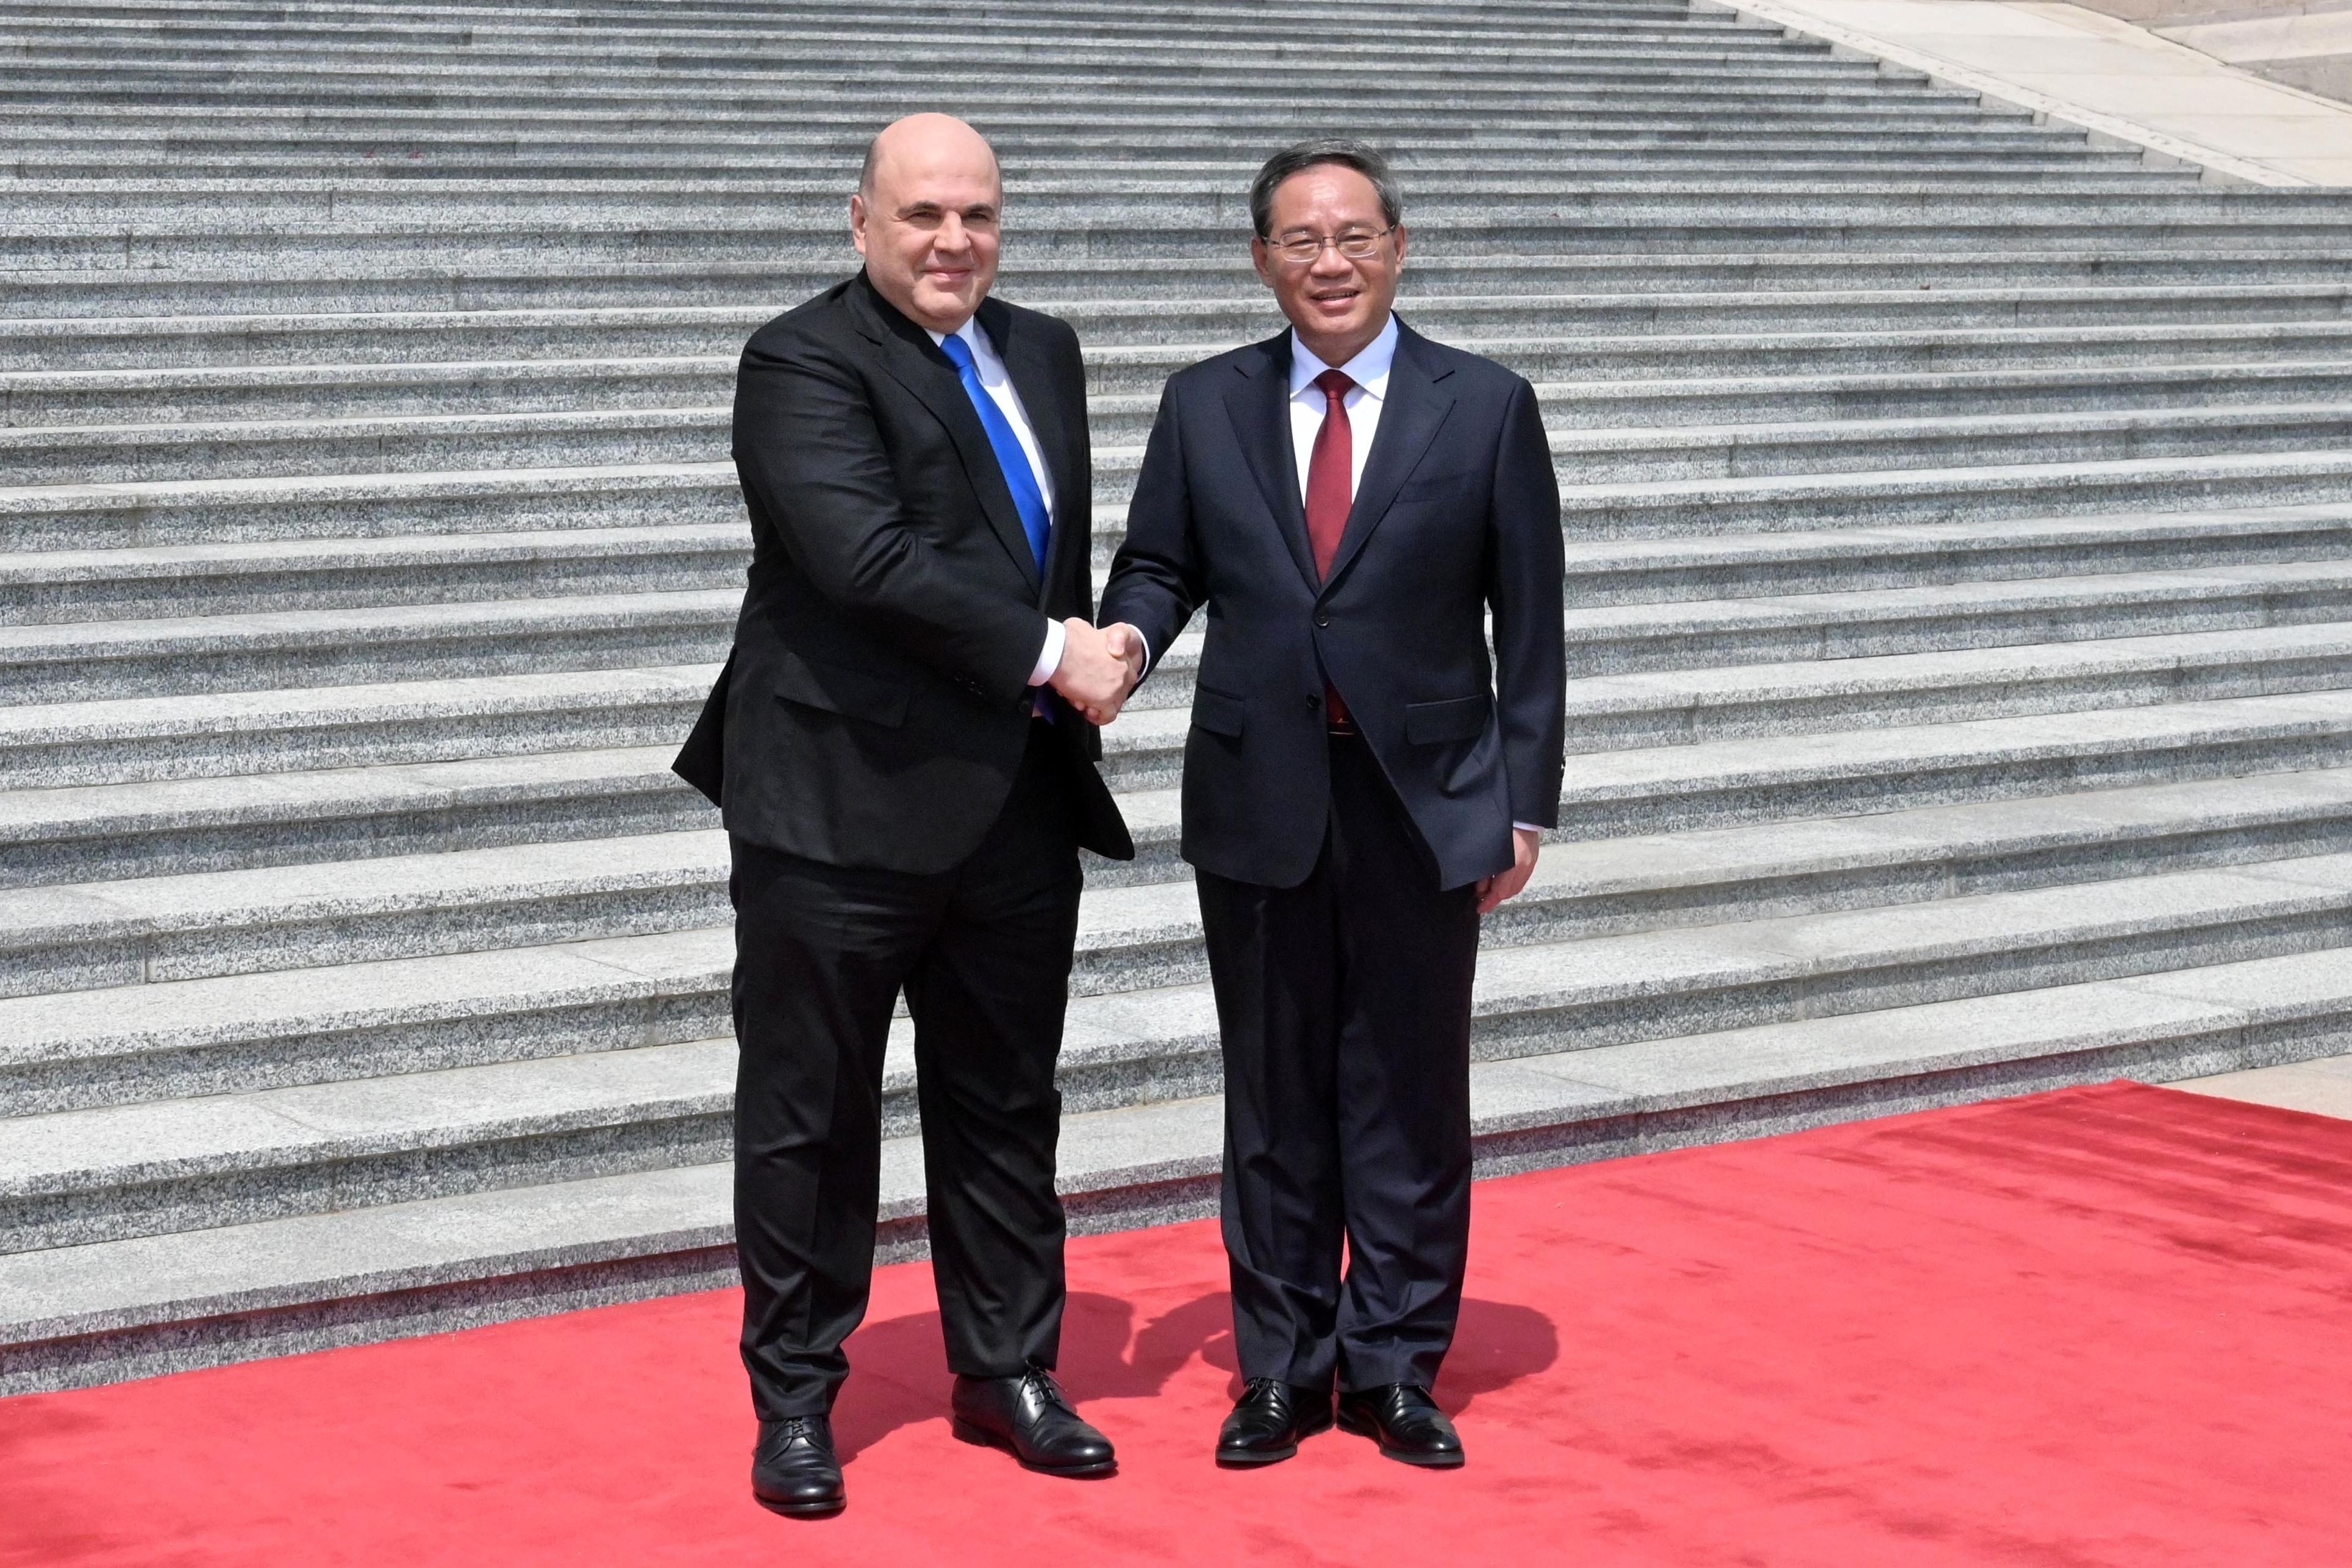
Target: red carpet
2107, 1326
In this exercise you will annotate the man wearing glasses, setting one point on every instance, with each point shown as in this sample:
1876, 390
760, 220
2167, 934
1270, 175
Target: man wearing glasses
1351, 502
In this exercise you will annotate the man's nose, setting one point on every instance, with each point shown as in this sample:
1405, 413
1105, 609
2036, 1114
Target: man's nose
953, 235
1330, 263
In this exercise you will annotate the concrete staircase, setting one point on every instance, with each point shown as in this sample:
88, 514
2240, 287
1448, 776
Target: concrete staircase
1959, 540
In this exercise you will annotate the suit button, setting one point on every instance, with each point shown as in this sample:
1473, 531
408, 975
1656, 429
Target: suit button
1314, 699
1322, 621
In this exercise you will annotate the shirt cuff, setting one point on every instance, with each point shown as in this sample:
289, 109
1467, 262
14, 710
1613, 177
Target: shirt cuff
1527, 826
1049, 657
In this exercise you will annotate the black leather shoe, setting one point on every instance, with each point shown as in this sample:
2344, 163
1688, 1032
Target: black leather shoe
793, 1471
1268, 1421
1029, 1416
1406, 1423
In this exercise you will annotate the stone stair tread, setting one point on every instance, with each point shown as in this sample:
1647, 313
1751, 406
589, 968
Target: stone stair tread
353, 625
283, 708
1585, 972
1929, 480
166, 492
1861, 675
184, 561
1816, 271
339, 335
1692, 615
136, 1144
100, 809
1586, 555
61, 1291
158, 437
1871, 750
200, 902
216, 905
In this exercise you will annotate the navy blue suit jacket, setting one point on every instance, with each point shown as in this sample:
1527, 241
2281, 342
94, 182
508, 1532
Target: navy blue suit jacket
1457, 516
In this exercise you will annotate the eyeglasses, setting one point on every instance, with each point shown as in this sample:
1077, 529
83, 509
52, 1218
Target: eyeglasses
1356, 245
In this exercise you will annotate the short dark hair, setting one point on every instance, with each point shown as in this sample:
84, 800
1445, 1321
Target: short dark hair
1301, 156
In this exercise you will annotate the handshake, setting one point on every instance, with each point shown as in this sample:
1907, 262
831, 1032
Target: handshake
1098, 669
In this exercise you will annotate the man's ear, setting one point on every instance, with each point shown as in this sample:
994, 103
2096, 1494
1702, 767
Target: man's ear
1262, 259
858, 223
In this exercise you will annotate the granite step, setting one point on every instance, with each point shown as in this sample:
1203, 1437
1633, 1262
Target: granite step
73, 1177
185, 67
88, 660
268, 577
45, 455
1067, 209
1881, 450
1617, 405
171, 932
1642, 339
174, 826
115, 291
107, 1310
1932, 496
1927, 556
446, 718
703, 495
530, 238
151, 737
169, 827
32, 400
126, 157
344, 508
1705, 677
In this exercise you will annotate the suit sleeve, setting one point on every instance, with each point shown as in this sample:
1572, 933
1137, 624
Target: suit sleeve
810, 455
1525, 588
1156, 580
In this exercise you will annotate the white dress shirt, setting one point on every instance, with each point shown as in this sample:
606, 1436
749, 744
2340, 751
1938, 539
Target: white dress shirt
998, 385
1308, 407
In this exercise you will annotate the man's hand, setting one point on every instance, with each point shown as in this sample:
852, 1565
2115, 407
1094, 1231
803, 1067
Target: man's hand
1091, 678
1125, 642
1495, 891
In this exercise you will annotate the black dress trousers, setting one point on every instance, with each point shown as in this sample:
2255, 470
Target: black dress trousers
982, 952
1344, 1004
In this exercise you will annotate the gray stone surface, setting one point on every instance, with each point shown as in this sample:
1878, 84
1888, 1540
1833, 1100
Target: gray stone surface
1957, 514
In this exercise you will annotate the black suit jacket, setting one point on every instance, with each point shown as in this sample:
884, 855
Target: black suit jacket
1458, 514
877, 704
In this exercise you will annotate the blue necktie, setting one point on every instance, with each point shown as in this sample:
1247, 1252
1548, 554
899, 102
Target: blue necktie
1019, 478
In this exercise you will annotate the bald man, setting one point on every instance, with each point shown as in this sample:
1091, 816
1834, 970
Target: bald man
903, 747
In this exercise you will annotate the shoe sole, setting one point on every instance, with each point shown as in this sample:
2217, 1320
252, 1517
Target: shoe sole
1252, 1459
802, 1509
1401, 1456
980, 1437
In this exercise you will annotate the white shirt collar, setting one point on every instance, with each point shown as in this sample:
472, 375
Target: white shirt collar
1369, 370
970, 333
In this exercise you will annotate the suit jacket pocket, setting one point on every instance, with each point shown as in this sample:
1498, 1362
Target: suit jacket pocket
840, 688
1216, 712
1456, 718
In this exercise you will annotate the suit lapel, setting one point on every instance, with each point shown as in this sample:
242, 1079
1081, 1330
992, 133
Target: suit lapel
917, 364
1410, 416
1025, 363
1258, 404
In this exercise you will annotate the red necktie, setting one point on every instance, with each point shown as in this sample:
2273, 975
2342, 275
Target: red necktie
1330, 491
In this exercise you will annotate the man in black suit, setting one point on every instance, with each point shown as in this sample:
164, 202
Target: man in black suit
901, 750
1351, 502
